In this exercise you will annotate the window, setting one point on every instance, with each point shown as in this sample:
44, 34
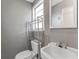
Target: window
38, 18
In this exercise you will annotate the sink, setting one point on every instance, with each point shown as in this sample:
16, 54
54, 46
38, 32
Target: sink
51, 51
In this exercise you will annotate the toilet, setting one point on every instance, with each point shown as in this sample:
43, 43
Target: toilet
27, 54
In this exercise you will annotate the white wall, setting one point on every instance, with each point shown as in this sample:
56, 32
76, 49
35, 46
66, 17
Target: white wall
14, 15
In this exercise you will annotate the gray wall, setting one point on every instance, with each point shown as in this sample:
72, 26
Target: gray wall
70, 36
14, 15
35, 2
56, 35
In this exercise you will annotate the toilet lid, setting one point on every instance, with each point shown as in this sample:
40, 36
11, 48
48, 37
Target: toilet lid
24, 54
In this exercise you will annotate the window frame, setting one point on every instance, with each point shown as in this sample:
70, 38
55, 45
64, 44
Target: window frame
35, 21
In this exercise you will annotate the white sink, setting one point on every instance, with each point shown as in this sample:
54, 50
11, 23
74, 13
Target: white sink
51, 51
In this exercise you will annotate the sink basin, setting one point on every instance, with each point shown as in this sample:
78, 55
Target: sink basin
51, 51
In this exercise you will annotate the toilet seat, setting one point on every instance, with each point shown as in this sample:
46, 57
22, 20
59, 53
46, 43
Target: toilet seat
25, 55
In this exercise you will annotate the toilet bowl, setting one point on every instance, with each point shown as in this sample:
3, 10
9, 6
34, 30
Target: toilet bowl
27, 54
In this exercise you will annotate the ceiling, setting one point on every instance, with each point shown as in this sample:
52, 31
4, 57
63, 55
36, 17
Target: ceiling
30, 1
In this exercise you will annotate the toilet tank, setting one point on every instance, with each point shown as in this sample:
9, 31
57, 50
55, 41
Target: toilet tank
34, 44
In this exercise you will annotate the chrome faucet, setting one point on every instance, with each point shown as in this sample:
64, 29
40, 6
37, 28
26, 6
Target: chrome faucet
62, 44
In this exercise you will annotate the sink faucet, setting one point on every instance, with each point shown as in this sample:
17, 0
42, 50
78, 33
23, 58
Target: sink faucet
62, 45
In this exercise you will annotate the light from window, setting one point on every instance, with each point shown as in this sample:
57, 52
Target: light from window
38, 18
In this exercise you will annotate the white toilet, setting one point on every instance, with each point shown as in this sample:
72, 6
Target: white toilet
29, 54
